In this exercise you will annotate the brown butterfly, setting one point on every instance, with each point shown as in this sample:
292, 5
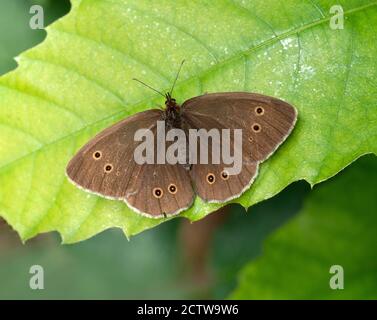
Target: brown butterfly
106, 166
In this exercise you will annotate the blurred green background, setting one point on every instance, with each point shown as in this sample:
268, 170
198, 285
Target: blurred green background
175, 260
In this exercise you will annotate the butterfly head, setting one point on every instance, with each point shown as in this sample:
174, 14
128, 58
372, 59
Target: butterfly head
170, 102
172, 112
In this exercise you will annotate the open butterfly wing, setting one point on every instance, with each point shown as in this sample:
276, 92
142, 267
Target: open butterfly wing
265, 122
106, 166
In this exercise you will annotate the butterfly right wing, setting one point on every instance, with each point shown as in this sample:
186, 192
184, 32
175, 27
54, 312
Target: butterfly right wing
265, 122
105, 166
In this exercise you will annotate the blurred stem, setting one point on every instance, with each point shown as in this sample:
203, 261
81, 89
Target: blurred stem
195, 241
8, 237
10, 240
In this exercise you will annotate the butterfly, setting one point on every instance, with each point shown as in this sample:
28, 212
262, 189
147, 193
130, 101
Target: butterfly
106, 166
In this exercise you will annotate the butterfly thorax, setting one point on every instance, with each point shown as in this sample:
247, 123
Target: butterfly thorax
172, 114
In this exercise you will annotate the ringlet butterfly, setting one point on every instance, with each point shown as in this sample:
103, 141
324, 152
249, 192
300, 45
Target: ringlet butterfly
106, 167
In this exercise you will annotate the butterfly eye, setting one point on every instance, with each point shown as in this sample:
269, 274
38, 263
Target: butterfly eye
256, 127
158, 193
224, 175
211, 178
108, 168
172, 188
97, 155
259, 111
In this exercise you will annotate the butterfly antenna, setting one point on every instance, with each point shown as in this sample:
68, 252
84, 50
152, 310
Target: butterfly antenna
148, 86
176, 77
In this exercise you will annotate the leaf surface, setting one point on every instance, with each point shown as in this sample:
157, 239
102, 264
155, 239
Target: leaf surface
79, 81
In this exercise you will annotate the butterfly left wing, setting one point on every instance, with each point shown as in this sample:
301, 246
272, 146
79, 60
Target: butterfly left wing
265, 122
106, 166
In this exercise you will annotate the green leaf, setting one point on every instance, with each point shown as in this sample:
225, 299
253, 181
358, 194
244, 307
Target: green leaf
337, 226
79, 81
